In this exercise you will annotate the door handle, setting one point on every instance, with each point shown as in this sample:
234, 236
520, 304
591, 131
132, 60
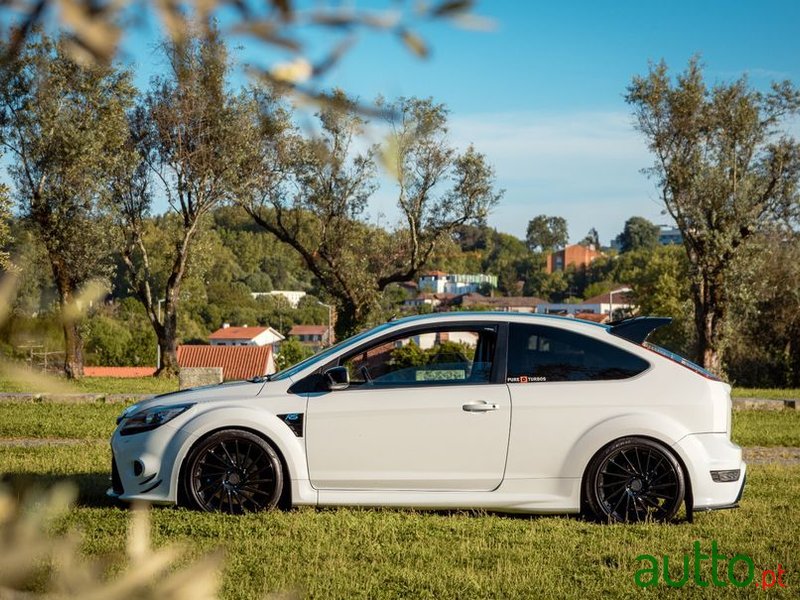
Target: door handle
481, 406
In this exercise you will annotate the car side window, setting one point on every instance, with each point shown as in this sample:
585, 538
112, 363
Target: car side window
538, 353
432, 357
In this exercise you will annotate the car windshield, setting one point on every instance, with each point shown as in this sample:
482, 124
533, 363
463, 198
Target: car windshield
321, 357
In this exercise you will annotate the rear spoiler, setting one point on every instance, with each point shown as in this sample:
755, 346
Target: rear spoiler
637, 329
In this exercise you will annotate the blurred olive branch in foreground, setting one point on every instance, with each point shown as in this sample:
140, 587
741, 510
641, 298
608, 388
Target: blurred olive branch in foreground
31, 557
93, 29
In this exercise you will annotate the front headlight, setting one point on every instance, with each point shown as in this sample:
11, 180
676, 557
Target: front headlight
151, 418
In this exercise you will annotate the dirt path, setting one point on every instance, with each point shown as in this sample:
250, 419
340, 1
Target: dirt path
782, 455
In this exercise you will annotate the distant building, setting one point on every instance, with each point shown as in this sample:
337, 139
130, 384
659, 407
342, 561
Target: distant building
427, 298
312, 335
520, 304
576, 255
237, 362
604, 304
244, 336
293, 296
439, 282
668, 235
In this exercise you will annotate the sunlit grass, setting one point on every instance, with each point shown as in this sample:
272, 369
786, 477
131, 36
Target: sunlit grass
96, 385
370, 553
96, 420
769, 394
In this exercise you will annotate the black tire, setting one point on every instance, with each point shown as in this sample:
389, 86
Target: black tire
634, 479
233, 471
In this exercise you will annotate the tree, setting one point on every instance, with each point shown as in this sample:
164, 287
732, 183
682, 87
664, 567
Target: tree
722, 166
546, 234
292, 352
64, 125
592, 239
5, 228
190, 134
312, 194
638, 234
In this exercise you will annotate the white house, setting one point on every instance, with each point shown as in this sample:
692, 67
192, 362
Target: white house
439, 282
293, 296
604, 304
244, 336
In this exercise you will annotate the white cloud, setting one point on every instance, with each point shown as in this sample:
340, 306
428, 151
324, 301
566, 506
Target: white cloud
584, 166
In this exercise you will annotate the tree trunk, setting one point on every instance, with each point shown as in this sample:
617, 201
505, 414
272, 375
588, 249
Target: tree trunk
794, 355
168, 344
70, 323
73, 350
709, 316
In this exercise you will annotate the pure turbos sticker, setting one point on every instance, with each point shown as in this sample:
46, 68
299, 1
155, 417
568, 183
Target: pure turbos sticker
525, 379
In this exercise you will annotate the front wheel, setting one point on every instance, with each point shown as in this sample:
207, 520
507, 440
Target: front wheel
633, 480
235, 472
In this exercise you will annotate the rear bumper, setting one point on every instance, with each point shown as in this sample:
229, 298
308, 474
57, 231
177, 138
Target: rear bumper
703, 453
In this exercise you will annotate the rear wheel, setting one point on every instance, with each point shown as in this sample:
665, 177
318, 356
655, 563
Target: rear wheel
634, 479
233, 471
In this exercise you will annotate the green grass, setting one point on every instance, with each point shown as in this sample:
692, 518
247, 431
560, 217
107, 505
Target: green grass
770, 394
96, 420
766, 427
97, 385
362, 553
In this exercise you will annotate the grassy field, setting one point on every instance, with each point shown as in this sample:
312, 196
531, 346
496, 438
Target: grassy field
96, 420
96, 385
362, 553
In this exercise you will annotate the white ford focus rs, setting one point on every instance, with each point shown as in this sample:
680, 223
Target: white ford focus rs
499, 411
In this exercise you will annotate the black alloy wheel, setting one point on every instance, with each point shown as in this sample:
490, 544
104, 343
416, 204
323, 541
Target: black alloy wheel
235, 472
634, 480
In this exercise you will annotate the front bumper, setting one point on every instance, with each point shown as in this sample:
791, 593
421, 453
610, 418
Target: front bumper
703, 453
144, 466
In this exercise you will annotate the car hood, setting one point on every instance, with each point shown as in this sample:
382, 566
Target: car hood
234, 390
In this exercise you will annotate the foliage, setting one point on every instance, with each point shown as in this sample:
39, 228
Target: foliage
763, 330
94, 31
191, 137
312, 194
64, 126
659, 279
638, 234
546, 234
292, 352
592, 239
723, 166
5, 228
33, 557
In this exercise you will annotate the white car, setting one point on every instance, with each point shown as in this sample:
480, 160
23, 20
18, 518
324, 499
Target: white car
499, 411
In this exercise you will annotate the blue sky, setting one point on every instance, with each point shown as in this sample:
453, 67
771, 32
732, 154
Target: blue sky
542, 95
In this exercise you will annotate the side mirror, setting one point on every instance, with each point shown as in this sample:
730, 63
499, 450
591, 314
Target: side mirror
338, 378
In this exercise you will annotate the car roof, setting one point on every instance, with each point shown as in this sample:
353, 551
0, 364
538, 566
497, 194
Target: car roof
493, 316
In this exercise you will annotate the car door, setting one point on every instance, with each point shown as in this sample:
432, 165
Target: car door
426, 410
563, 383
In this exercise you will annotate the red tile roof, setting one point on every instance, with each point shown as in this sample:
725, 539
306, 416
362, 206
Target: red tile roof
237, 362
594, 317
237, 333
309, 330
119, 371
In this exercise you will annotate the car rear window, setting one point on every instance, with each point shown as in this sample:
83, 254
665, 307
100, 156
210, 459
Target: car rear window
538, 353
